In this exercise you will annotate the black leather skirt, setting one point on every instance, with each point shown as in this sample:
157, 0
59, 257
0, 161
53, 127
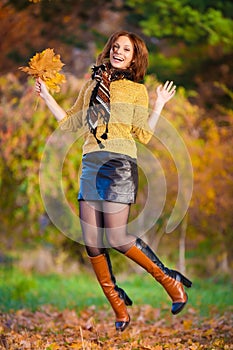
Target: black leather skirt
108, 176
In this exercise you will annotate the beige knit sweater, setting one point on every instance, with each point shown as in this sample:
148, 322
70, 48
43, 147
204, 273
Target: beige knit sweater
127, 122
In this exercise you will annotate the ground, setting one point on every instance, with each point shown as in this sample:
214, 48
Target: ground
150, 328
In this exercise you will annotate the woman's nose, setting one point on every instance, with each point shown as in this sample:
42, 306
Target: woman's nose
118, 50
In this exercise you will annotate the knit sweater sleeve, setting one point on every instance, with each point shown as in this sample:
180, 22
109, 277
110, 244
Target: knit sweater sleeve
74, 116
140, 127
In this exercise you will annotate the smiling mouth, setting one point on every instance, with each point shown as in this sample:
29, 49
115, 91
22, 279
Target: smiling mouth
117, 58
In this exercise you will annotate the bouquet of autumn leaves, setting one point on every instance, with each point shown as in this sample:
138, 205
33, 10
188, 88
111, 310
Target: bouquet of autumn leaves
46, 65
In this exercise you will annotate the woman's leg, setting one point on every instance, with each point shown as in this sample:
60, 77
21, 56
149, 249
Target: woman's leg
172, 280
91, 218
116, 218
92, 223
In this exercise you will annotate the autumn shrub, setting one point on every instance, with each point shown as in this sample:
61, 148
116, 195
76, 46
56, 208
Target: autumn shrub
25, 126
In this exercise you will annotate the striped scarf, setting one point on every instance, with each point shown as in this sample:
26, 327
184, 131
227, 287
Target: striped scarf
99, 106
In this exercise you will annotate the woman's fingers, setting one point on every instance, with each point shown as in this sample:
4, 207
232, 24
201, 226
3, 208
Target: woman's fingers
169, 90
166, 85
38, 86
169, 86
166, 92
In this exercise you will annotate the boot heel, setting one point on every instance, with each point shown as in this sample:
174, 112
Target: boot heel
186, 282
127, 300
124, 296
179, 277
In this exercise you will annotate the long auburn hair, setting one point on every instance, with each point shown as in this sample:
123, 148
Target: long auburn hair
139, 62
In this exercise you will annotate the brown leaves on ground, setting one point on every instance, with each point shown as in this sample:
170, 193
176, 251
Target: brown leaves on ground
50, 329
46, 65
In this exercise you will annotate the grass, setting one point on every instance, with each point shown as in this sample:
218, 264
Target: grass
30, 291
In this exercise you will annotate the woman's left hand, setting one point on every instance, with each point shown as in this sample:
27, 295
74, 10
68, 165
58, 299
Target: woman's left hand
165, 92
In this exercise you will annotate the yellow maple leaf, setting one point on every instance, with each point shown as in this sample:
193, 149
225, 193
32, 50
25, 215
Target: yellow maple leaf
46, 65
54, 83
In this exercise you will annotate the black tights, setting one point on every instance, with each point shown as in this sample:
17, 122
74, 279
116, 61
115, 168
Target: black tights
97, 216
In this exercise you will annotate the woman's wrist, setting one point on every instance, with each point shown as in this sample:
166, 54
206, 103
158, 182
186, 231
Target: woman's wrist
46, 96
158, 106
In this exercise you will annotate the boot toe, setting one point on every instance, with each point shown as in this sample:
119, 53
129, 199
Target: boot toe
177, 307
121, 325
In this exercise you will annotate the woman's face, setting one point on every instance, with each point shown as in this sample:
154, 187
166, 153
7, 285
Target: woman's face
121, 53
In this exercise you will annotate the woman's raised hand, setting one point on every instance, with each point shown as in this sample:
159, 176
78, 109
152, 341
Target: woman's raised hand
43, 92
41, 88
165, 92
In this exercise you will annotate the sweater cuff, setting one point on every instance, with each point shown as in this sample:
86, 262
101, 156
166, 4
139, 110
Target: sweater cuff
63, 119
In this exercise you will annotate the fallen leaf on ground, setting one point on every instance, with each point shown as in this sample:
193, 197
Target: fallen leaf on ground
90, 329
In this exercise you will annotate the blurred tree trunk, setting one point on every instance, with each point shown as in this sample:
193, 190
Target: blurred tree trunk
183, 230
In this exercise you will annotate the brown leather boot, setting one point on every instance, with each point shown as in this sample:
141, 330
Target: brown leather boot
111, 291
121, 292
171, 280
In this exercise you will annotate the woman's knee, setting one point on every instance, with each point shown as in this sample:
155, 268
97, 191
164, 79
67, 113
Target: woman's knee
93, 238
117, 240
